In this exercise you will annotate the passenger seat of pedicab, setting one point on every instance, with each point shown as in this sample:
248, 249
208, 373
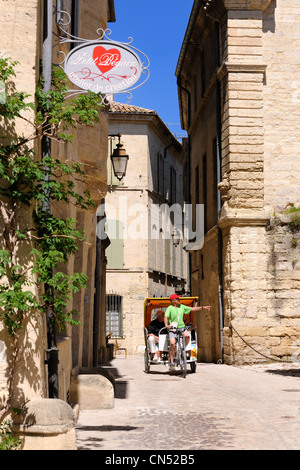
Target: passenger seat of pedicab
157, 328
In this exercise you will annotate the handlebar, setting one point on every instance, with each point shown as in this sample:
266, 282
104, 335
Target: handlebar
179, 331
163, 328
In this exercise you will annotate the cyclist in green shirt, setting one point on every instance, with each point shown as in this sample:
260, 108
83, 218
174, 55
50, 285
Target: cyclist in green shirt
174, 316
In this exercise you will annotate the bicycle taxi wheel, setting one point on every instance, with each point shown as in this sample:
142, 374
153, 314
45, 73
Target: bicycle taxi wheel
193, 351
182, 357
147, 362
146, 353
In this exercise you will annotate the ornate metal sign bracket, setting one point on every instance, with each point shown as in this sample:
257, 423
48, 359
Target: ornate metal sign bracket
101, 65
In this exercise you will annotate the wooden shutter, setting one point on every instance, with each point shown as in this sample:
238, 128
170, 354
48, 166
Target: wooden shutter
115, 251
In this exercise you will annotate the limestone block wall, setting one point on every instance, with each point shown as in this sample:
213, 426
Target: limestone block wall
205, 285
139, 270
128, 204
246, 294
262, 294
259, 107
261, 176
204, 263
284, 288
18, 37
89, 146
21, 28
133, 286
19, 34
242, 110
135, 140
281, 51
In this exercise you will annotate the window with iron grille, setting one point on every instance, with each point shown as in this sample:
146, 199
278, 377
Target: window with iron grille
114, 316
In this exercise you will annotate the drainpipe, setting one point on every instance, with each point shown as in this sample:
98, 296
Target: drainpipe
179, 84
166, 241
112, 12
219, 178
97, 298
98, 284
52, 350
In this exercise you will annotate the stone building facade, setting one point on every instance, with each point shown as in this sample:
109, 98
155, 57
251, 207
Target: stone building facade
22, 29
238, 85
142, 260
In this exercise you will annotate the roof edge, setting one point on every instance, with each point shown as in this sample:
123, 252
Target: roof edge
193, 16
145, 113
112, 11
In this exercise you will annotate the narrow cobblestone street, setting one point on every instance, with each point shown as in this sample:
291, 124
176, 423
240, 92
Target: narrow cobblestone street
219, 407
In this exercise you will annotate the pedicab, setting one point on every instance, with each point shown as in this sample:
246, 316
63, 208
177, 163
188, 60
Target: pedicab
183, 355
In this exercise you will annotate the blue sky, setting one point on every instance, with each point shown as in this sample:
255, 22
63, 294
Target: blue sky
157, 28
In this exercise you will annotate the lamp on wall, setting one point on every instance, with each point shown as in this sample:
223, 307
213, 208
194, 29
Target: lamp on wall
175, 237
119, 160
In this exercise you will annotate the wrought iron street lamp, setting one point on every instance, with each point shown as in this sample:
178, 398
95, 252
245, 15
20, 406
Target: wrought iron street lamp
119, 160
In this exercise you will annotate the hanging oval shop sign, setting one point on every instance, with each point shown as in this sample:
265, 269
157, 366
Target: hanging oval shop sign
103, 67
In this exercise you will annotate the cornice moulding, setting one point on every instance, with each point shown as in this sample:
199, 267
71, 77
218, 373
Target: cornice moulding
228, 67
246, 4
240, 219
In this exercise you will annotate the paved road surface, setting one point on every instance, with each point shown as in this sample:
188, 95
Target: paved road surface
219, 407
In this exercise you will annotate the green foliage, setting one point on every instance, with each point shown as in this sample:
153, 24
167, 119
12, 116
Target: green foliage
7, 440
30, 184
294, 224
15, 102
15, 300
292, 209
63, 114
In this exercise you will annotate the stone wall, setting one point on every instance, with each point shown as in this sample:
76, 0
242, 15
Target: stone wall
262, 293
281, 94
242, 111
261, 175
89, 147
21, 31
204, 263
205, 285
284, 287
259, 112
141, 273
18, 37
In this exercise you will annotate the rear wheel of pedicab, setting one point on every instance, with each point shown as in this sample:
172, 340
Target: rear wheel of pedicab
147, 362
182, 356
193, 366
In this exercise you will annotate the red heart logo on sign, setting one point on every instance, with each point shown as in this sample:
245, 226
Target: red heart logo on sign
106, 59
